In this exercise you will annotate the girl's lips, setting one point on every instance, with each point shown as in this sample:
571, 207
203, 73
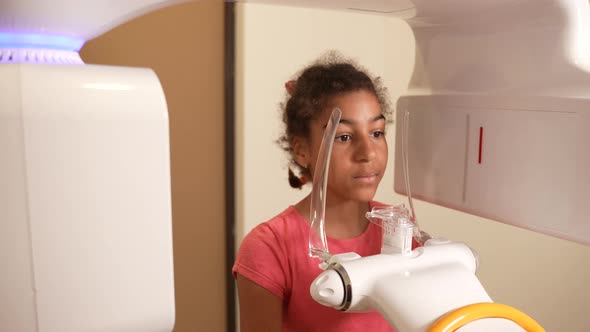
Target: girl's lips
370, 178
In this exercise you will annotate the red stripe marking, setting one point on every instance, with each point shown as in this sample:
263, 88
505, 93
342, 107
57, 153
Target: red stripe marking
480, 144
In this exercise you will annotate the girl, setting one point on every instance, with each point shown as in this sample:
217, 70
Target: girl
272, 269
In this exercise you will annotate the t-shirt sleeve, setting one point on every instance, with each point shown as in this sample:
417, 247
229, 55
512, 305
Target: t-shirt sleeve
262, 258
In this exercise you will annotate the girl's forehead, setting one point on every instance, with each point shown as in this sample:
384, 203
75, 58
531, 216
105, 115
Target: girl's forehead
357, 105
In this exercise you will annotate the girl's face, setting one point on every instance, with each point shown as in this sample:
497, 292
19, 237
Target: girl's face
359, 153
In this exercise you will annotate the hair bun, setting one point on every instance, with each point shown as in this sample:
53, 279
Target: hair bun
290, 86
295, 181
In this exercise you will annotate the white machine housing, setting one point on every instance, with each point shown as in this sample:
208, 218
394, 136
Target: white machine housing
410, 292
498, 113
85, 202
85, 216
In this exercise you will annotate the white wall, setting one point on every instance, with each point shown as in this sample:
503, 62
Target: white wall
542, 276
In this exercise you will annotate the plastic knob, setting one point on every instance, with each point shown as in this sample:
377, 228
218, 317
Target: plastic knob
328, 289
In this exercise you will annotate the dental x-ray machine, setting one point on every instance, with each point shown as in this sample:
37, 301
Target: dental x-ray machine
499, 96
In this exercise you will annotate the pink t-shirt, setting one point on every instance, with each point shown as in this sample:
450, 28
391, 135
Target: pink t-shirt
274, 256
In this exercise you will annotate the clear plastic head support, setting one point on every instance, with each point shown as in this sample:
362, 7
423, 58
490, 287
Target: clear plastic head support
420, 235
318, 245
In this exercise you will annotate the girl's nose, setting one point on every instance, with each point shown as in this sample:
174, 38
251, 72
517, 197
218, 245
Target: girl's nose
365, 150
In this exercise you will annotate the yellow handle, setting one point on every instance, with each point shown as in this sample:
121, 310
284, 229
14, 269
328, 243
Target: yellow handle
469, 313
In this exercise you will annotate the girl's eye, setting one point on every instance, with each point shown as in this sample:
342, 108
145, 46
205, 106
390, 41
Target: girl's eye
343, 138
378, 133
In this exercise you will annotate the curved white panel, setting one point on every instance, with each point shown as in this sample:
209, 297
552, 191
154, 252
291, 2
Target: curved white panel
78, 19
17, 289
89, 199
518, 160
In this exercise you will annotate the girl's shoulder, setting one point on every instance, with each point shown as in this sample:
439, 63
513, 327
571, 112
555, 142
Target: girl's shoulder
290, 213
286, 223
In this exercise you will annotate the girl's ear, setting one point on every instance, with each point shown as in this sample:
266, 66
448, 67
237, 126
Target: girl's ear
301, 152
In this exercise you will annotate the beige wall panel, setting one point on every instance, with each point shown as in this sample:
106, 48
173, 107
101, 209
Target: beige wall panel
184, 44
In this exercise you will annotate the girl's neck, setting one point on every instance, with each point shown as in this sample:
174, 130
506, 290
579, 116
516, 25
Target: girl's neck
344, 219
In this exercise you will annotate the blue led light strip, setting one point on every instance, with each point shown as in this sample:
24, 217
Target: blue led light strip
31, 40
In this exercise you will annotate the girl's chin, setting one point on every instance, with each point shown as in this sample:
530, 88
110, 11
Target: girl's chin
359, 195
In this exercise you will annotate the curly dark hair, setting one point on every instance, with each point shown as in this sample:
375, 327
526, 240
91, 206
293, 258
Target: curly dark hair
312, 90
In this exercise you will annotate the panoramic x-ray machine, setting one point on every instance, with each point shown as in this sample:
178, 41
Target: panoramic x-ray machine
493, 124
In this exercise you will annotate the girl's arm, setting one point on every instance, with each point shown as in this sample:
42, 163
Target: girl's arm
260, 310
